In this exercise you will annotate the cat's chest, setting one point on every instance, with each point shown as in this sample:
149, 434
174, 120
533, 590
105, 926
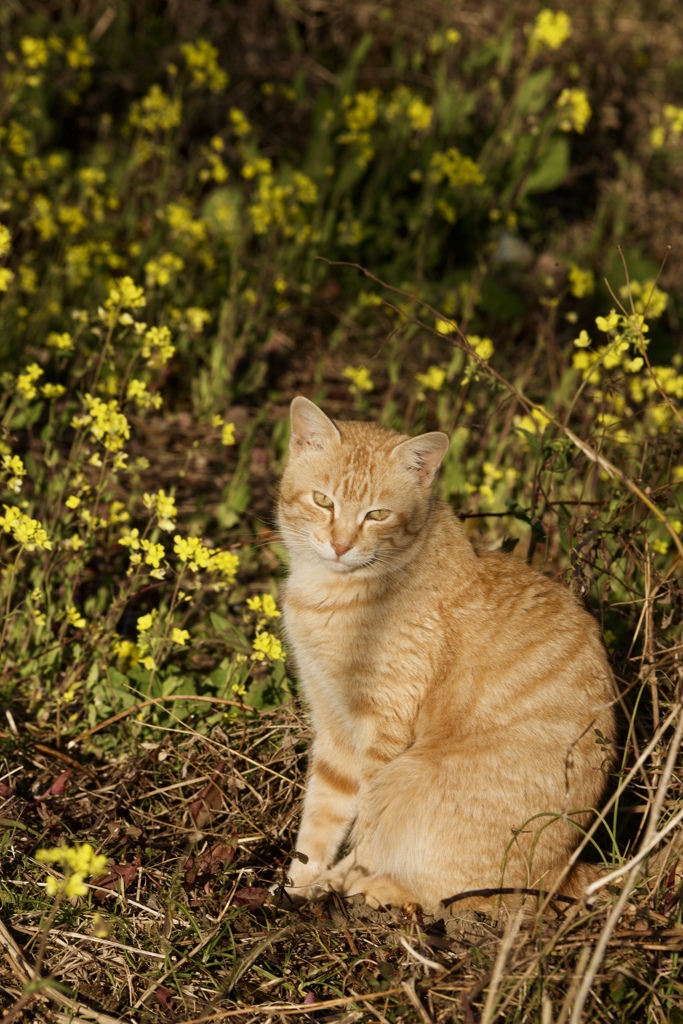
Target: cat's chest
363, 656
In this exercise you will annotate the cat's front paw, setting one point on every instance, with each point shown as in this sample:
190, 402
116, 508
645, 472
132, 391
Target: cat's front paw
302, 880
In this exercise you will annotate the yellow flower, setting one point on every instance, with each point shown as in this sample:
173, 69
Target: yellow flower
583, 340
79, 862
240, 122
607, 323
434, 378
574, 110
73, 501
144, 399
535, 423
27, 532
125, 294
482, 346
266, 645
145, 622
164, 506
581, 282
157, 347
264, 604
5, 240
52, 390
455, 169
131, 539
63, 342
163, 269
551, 29
191, 551
126, 650
14, 467
180, 636
228, 434
26, 381
446, 326
196, 318
75, 618
78, 55
34, 52
660, 546
105, 421
647, 298
6, 278
156, 112
153, 553
225, 563
201, 59
360, 379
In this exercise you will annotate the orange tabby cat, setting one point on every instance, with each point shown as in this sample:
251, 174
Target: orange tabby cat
454, 696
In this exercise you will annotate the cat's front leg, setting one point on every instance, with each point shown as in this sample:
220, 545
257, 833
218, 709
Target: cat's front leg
330, 806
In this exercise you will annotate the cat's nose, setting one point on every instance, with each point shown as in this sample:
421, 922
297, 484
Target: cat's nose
341, 549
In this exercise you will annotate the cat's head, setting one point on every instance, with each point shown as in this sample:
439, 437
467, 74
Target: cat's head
354, 496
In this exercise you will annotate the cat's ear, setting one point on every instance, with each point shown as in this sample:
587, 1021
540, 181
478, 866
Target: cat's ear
422, 455
311, 428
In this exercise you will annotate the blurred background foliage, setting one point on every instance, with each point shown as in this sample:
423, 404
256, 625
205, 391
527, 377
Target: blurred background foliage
177, 185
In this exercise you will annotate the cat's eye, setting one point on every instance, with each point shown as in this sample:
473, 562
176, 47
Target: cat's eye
378, 514
321, 499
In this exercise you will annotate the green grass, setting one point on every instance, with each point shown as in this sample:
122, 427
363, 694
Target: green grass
454, 221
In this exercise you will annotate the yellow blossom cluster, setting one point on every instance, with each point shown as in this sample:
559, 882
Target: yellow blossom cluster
433, 379
279, 204
156, 112
574, 110
240, 122
144, 550
669, 128
5, 240
157, 347
495, 483
658, 389
360, 114
163, 269
125, 294
26, 381
137, 391
14, 471
534, 422
27, 532
360, 379
265, 607
266, 645
201, 59
74, 617
581, 282
455, 169
105, 422
406, 106
164, 507
550, 30
196, 555
79, 862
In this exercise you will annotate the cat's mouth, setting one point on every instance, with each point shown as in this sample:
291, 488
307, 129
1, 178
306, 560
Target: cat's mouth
345, 567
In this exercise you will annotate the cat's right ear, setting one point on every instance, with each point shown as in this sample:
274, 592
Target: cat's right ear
311, 428
422, 455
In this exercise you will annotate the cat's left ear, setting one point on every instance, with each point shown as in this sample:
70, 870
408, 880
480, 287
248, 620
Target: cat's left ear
311, 428
423, 454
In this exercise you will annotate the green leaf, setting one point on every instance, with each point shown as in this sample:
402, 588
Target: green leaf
534, 92
532, 440
551, 167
